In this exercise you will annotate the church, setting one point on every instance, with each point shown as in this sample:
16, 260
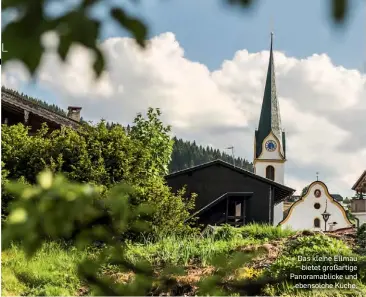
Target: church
317, 210
231, 195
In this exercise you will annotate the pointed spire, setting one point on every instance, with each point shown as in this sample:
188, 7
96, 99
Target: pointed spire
270, 118
271, 42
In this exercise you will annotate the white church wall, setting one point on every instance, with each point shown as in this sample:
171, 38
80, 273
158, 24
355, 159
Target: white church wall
277, 213
260, 169
303, 213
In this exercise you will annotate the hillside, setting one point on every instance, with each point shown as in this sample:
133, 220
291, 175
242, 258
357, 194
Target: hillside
187, 154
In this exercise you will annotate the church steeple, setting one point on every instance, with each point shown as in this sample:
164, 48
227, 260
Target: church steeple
270, 118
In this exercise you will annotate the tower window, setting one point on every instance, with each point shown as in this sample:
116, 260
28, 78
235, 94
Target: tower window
316, 223
270, 172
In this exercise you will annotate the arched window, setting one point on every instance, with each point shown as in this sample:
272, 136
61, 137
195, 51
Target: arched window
270, 172
316, 223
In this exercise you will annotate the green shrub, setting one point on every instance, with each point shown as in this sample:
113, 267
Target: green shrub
361, 240
361, 232
226, 232
104, 156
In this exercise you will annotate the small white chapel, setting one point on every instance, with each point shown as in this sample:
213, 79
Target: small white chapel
317, 210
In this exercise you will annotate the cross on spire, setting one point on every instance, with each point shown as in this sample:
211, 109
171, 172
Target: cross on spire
317, 176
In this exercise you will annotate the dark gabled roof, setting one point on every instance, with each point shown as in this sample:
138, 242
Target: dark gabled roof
296, 196
337, 197
334, 196
358, 182
16, 101
270, 118
237, 169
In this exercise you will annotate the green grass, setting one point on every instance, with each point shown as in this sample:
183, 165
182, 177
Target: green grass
51, 272
255, 231
183, 250
287, 290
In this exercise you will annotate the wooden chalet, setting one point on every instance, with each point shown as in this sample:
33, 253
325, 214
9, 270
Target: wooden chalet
358, 204
16, 108
360, 186
228, 194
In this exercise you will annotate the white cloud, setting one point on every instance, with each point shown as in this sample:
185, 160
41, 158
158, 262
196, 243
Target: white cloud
14, 74
323, 107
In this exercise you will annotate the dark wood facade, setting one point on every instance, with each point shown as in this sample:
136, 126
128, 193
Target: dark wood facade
228, 194
360, 186
17, 109
358, 204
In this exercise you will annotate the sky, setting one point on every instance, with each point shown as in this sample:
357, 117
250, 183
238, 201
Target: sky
205, 67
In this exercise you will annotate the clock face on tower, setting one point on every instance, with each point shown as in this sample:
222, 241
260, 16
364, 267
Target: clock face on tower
271, 145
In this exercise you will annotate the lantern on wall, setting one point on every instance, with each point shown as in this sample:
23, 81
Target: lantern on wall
325, 216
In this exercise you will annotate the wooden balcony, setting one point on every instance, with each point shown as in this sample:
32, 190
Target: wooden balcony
358, 205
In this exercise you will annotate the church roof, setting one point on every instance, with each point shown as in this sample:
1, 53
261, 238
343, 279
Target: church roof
337, 197
270, 119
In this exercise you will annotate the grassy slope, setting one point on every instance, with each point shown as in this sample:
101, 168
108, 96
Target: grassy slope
53, 270
183, 251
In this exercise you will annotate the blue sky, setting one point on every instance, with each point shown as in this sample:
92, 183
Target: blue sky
212, 31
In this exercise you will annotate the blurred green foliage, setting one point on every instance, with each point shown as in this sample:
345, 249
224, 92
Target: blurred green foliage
23, 36
55, 209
